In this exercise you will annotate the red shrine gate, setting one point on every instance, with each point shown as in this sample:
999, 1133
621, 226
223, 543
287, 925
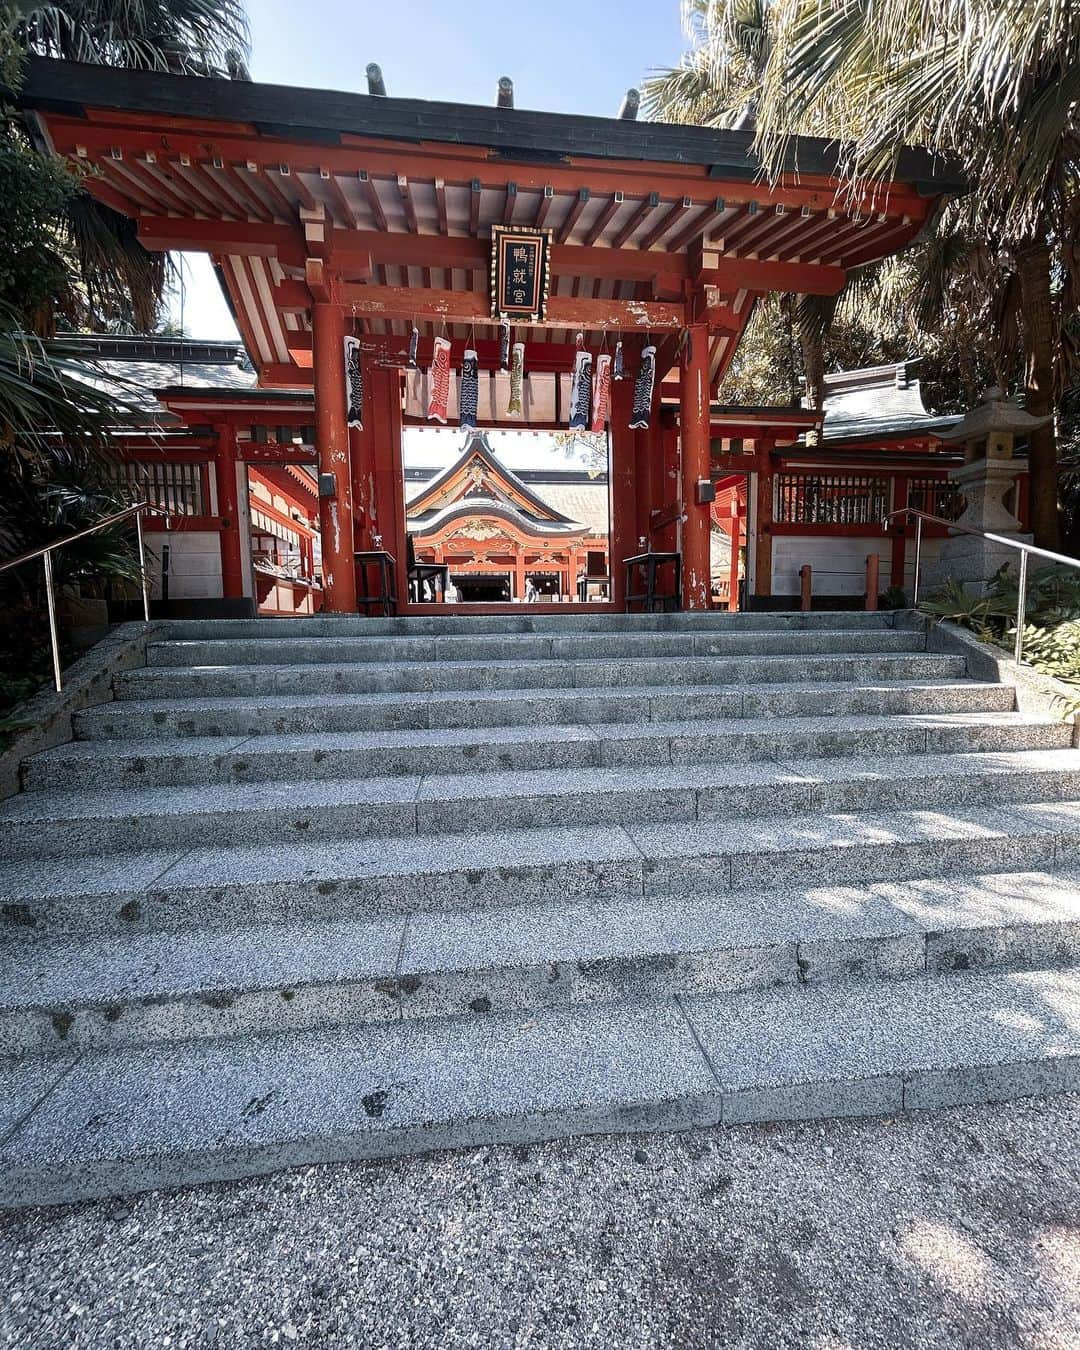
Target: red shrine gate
337, 214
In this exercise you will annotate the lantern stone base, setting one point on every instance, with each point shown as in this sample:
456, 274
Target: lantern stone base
968, 558
971, 561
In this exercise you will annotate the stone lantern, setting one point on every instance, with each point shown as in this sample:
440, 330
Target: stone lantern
988, 434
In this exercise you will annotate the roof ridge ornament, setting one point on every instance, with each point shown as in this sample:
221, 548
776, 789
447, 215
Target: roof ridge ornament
376, 85
628, 108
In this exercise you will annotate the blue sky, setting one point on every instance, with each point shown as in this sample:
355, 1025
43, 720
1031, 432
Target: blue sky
577, 57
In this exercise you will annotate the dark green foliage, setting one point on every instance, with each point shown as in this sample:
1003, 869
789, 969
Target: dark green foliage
195, 36
1052, 616
895, 598
54, 480
53, 402
67, 260
987, 615
38, 508
34, 193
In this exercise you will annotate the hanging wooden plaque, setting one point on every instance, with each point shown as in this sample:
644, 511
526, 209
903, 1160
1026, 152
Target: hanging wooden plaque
520, 272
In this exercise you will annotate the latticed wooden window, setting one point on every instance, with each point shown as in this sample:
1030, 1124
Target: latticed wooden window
830, 499
176, 487
936, 496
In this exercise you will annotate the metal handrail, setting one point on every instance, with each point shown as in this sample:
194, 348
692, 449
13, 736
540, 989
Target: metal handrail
1025, 551
138, 510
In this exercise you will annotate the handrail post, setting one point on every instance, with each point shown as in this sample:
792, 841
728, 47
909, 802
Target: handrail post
142, 569
918, 563
50, 601
1021, 606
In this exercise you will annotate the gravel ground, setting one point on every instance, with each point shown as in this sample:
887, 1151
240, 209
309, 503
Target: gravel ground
957, 1229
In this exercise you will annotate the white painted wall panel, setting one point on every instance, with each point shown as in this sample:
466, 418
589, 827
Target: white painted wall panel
839, 564
194, 564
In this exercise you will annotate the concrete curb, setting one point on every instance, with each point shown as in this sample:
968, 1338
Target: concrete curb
1036, 694
87, 682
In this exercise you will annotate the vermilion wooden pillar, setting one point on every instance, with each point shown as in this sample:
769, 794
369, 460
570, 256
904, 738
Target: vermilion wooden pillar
362, 461
735, 535
624, 516
232, 565
332, 437
666, 488
696, 465
388, 501
763, 540
362, 482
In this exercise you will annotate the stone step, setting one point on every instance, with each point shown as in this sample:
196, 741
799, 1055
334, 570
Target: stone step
123, 1120
463, 623
218, 885
286, 714
528, 647
273, 812
425, 676
59, 995
179, 761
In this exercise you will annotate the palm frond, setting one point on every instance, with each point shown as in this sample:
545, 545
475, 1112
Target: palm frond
123, 283
716, 83
192, 36
53, 402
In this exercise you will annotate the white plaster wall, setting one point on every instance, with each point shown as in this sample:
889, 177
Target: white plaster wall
194, 564
839, 564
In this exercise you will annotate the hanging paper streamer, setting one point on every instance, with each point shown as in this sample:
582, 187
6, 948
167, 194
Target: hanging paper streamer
643, 390
469, 390
414, 342
581, 391
601, 406
504, 345
439, 377
354, 384
618, 372
517, 380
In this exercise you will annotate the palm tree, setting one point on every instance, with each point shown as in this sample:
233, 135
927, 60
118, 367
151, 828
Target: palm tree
117, 282
67, 259
993, 85
718, 83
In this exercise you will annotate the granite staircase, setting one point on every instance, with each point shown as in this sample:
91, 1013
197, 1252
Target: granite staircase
335, 888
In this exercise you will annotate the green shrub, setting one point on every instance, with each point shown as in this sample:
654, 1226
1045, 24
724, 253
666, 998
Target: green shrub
1052, 616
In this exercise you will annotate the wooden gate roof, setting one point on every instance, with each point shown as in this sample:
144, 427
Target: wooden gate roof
654, 225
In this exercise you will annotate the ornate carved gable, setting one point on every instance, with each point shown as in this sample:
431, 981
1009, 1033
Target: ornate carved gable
478, 482
476, 532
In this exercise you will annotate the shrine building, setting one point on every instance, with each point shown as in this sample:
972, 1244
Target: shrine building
496, 532
392, 263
